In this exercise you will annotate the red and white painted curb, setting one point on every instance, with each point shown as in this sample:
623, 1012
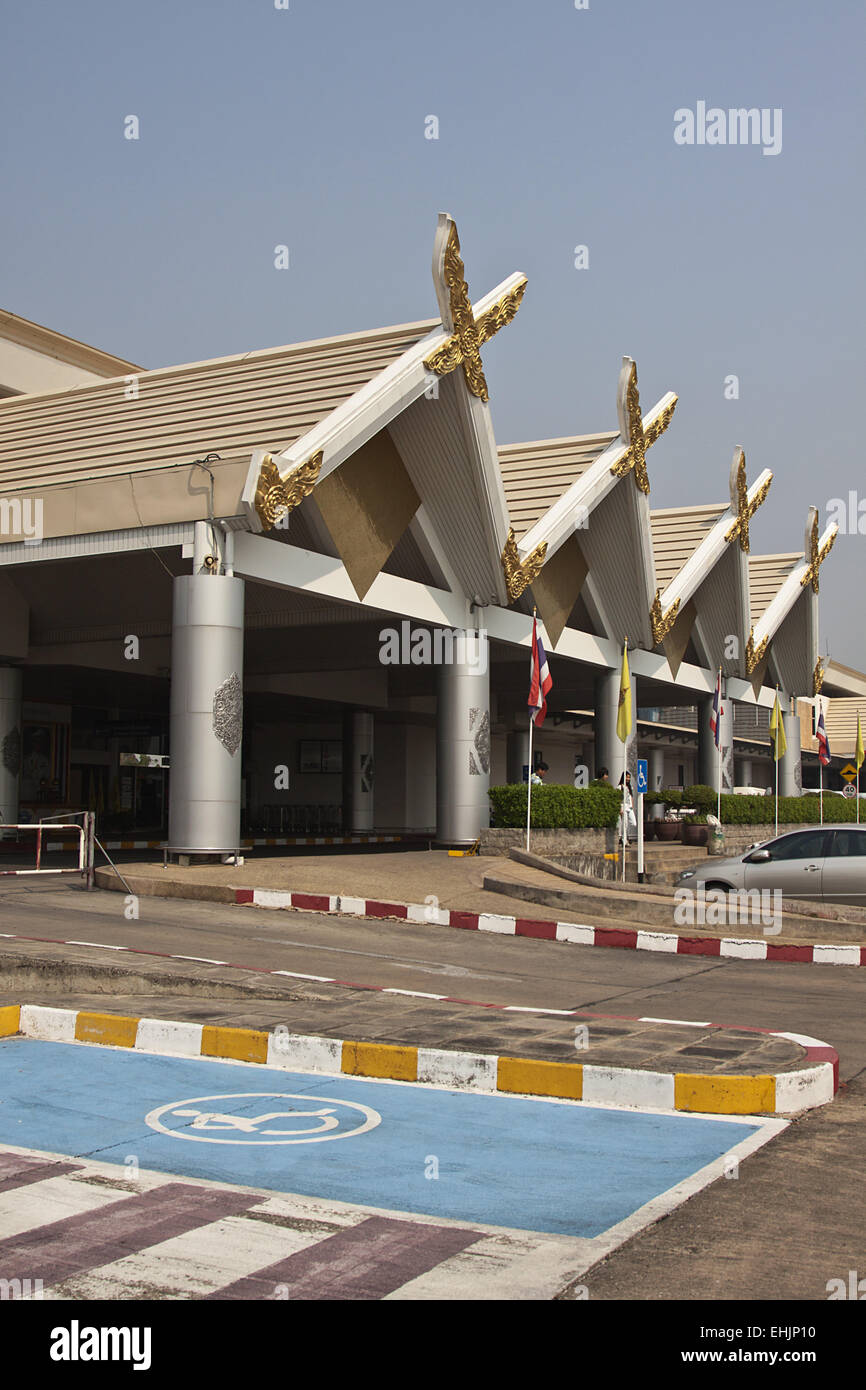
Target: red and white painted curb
579, 934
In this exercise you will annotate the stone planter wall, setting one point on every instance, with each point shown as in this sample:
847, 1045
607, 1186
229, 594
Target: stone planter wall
550, 843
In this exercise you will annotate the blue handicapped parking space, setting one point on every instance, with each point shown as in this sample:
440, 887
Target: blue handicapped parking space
501, 1160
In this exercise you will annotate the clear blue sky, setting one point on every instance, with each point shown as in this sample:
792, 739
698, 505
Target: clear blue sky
261, 126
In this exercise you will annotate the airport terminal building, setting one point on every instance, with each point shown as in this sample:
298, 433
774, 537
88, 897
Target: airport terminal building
289, 593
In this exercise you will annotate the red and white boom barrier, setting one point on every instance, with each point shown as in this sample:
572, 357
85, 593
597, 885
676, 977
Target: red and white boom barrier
41, 829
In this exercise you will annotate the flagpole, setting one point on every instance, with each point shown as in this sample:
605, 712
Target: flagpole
820, 765
821, 775
623, 829
531, 727
776, 754
529, 782
719, 749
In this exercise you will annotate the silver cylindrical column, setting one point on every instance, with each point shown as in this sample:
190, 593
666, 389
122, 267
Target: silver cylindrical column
656, 769
790, 764
207, 652
358, 773
708, 753
745, 773
463, 742
517, 753
10, 746
609, 751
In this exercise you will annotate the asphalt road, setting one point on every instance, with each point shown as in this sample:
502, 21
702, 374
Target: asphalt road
827, 1002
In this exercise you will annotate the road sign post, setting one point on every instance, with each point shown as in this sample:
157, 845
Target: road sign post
642, 781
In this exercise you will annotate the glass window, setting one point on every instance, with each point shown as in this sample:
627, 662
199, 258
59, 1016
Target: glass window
805, 844
848, 844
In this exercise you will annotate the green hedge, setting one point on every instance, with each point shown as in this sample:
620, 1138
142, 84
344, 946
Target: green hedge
556, 808
572, 808
761, 810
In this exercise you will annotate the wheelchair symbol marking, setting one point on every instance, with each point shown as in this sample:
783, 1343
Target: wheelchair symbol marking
335, 1119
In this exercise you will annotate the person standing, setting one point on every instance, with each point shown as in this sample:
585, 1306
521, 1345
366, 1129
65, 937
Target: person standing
630, 818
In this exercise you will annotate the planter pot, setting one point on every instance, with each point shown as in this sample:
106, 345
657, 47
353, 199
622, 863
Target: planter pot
649, 829
695, 834
668, 829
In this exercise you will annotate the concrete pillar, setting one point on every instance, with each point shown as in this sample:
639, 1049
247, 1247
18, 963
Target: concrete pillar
206, 713
463, 742
10, 746
790, 767
656, 769
745, 773
708, 754
517, 753
358, 773
609, 752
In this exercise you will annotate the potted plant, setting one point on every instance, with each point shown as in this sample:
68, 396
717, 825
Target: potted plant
696, 831
668, 829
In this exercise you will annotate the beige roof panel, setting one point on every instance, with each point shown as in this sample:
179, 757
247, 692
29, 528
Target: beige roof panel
50, 343
767, 573
676, 534
228, 406
840, 721
536, 474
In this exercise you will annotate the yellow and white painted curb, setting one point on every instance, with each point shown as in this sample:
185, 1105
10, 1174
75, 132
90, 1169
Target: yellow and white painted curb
782, 1093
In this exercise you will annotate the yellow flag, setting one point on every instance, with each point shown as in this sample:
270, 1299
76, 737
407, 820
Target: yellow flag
858, 756
777, 730
623, 714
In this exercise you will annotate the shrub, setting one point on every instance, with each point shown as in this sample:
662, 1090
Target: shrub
702, 797
579, 808
556, 807
761, 810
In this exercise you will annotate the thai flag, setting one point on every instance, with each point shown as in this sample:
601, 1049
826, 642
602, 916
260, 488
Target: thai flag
823, 742
718, 711
540, 682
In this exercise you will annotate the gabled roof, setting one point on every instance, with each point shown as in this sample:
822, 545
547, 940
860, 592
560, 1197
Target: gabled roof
840, 720
767, 573
677, 532
49, 343
535, 475
105, 434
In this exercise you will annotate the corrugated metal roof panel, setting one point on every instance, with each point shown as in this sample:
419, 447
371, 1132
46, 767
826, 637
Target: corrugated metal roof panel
840, 721
676, 533
227, 406
536, 474
767, 573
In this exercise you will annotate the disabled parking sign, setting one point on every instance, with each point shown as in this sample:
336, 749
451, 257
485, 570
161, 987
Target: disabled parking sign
262, 1117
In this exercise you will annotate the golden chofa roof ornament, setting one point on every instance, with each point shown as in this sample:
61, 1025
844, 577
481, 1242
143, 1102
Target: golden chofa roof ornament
662, 622
740, 503
631, 426
818, 675
275, 495
468, 333
815, 552
519, 574
754, 654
